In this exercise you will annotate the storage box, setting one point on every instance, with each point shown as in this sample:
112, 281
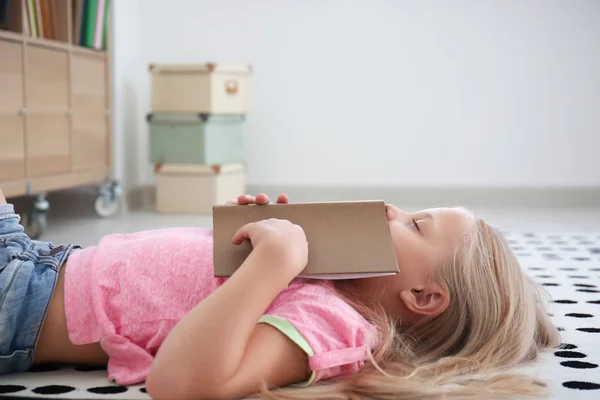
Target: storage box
201, 88
189, 188
195, 138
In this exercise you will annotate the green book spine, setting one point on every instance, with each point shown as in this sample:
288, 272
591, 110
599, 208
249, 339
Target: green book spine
90, 23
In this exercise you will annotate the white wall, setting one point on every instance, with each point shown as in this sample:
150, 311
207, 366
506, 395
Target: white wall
409, 93
129, 92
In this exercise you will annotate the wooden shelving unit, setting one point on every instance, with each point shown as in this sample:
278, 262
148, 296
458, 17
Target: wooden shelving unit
55, 102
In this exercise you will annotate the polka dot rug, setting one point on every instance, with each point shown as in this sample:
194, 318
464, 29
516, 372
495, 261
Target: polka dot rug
567, 265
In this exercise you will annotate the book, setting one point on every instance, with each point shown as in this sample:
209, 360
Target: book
60, 20
11, 16
4, 11
105, 25
97, 38
346, 240
39, 20
77, 18
32, 17
89, 23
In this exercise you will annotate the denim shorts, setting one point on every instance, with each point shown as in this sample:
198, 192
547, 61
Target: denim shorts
28, 274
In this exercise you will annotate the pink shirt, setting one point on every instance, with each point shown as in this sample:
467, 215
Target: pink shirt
130, 290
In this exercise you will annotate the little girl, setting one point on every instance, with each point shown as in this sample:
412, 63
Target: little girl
147, 306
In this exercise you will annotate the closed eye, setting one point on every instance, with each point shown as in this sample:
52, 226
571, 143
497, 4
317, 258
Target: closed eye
416, 225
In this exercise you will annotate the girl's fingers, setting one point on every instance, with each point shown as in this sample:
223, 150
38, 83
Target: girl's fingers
242, 234
262, 199
245, 199
283, 198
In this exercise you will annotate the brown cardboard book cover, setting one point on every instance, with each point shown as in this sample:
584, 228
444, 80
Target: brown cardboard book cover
346, 240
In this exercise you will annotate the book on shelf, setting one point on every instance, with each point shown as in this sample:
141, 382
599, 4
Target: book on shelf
89, 23
4, 9
49, 19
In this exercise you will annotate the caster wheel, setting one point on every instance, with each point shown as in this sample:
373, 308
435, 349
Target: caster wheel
36, 217
108, 202
35, 224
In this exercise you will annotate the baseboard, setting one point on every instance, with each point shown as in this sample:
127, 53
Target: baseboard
143, 197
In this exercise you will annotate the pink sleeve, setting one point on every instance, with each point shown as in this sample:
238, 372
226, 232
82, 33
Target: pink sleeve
331, 332
128, 363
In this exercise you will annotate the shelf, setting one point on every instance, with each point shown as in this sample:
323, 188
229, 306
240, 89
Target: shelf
12, 36
49, 43
56, 94
53, 44
86, 51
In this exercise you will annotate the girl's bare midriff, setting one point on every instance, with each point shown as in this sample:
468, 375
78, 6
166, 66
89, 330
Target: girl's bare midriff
54, 345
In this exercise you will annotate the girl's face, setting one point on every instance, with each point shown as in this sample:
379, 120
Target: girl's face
423, 241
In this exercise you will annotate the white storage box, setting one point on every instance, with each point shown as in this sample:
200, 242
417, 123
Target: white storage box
192, 188
201, 88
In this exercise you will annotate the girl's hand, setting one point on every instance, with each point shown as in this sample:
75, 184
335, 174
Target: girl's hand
261, 199
280, 242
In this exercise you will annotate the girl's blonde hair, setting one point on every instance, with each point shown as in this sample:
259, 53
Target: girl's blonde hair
495, 320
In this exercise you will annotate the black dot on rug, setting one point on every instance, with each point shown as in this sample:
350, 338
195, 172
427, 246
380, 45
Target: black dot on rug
579, 315
560, 329
565, 301
4, 389
579, 364
581, 385
595, 250
568, 269
108, 389
567, 346
552, 256
579, 277
586, 285
569, 354
595, 269
588, 290
53, 389
89, 368
581, 258
589, 330
44, 368
550, 284
545, 276
143, 390
537, 269
569, 248
594, 301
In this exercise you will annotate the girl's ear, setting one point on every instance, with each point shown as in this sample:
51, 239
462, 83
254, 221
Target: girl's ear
426, 301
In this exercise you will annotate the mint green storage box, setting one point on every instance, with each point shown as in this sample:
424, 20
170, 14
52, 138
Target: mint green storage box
195, 138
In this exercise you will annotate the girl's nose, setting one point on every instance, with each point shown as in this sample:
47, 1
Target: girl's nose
392, 212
